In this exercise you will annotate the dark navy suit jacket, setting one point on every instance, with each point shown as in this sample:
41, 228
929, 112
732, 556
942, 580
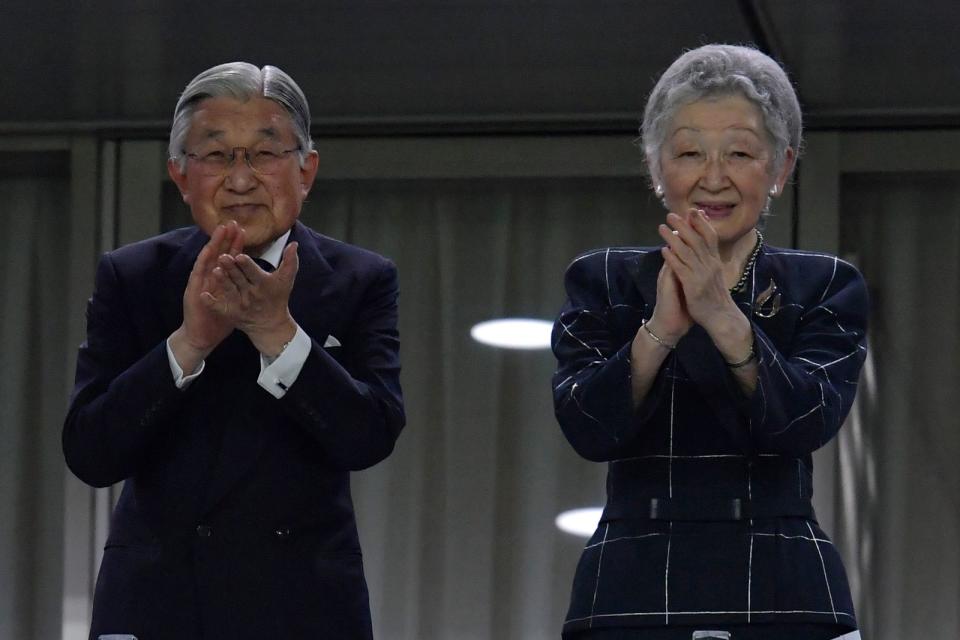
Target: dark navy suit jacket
236, 519
697, 439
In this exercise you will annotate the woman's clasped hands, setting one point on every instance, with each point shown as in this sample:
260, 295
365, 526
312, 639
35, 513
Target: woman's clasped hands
691, 286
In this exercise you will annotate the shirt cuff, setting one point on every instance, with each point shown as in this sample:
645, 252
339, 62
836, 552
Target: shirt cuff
278, 374
179, 379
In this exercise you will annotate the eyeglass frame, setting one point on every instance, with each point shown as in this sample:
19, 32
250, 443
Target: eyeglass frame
232, 158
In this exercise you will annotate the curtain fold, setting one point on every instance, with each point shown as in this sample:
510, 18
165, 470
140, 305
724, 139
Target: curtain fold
457, 525
901, 493
34, 248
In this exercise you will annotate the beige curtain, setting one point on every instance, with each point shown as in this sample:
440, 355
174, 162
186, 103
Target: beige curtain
34, 248
458, 524
900, 478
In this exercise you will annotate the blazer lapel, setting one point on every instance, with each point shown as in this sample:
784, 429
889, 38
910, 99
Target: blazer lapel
643, 270
175, 277
312, 284
312, 302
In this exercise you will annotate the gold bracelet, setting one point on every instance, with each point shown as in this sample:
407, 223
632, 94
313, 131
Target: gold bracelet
659, 340
742, 363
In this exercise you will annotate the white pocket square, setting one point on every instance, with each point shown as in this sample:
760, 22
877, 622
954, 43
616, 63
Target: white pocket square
331, 342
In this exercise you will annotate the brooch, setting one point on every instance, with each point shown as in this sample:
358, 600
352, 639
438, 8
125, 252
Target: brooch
767, 304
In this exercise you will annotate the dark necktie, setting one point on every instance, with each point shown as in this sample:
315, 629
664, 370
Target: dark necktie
263, 264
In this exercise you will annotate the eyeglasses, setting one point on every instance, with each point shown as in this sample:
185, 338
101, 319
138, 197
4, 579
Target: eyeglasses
218, 161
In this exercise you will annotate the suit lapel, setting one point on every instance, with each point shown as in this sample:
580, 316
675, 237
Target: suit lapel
175, 278
311, 302
643, 270
312, 284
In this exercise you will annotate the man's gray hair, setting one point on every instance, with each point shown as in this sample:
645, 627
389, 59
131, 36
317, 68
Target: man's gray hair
241, 81
717, 70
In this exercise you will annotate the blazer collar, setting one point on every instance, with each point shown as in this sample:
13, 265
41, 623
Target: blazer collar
644, 268
309, 252
764, 293
313, 268
176, 275
313, 277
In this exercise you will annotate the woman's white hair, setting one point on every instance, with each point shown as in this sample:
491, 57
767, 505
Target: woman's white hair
241, 81
717, 70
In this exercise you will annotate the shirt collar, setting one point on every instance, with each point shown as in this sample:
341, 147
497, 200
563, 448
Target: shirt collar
274, 252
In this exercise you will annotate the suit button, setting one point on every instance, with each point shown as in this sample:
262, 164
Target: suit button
282, 534
204, 531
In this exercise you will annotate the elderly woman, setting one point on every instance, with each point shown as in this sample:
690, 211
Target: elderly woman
705, 372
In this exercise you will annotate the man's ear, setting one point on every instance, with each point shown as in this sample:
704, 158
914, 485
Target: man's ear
179, 178
308, 172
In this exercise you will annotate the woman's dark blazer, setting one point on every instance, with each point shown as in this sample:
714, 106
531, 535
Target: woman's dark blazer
708, 516
235, 520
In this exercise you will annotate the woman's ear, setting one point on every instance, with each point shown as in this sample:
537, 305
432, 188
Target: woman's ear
789, 161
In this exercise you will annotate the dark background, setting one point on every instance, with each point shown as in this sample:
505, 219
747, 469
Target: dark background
482, 144
469, 64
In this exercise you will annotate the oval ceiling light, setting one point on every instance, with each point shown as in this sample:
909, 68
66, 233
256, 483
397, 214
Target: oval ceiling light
580, 522
513, 333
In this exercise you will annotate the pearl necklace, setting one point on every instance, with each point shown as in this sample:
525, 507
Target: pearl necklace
742, 282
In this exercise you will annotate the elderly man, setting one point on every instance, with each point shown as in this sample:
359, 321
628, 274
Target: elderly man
234, 373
